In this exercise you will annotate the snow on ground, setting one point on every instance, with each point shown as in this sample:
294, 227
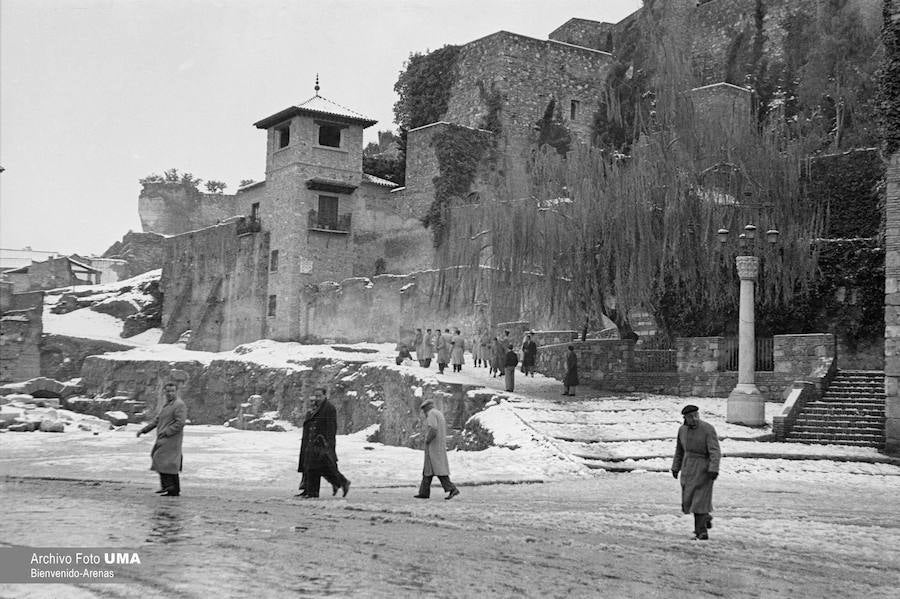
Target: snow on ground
85, 323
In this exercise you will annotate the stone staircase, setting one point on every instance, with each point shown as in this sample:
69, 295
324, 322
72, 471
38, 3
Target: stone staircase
850, 413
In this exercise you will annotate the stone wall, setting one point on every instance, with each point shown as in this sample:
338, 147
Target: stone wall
611, 365
892, 307
62, 357
363, 393
586, 33
214, 283
173, 208
142, 252
21, 328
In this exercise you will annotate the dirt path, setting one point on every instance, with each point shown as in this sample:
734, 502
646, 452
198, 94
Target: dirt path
614, 536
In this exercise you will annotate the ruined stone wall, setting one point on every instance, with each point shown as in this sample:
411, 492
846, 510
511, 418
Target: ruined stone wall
214, 282
21, 328
528, 73
586, 33
722, 32
62, 357
363, 393
142, 252
173, 208
387, 237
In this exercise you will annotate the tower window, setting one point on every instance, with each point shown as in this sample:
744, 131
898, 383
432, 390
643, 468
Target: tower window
328, 211
273, 260
273, 301
284, 135
573, 109
330, 135
254, 211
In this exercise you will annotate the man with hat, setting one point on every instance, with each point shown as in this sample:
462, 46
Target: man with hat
697, 458
435, 453
318, 455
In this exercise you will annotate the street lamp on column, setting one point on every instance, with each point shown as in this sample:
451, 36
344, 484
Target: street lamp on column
746, 405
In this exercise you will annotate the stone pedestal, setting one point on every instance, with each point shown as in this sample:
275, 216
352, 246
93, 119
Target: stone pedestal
746, 405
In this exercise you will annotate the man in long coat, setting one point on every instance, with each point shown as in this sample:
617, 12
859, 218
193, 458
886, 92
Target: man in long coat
442, 347
499, 358
570, 379
426, 350
320, 455
457, 351
166, 455
435, 453
697, 458
529, 355
511, 360
417, 344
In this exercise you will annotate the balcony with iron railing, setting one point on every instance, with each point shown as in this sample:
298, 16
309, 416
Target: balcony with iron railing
330, 223
248, 224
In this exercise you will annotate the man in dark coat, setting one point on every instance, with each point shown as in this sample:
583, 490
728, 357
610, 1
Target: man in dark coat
570, 380
320, 456
510, 361
697, 458
166, 453
529, 355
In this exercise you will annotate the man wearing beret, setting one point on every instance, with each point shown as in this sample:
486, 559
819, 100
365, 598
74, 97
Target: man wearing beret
697, 458
435, 453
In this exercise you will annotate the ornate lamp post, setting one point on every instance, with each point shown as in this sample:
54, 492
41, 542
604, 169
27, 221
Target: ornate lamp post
746, 405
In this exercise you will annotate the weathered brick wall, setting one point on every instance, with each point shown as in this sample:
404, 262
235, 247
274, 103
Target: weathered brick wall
214, 282
799, 355
892, 307
21, 328
612, 364
699, 354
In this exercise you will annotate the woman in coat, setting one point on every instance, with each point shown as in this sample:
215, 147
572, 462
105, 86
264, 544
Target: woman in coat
570, 380
166, 455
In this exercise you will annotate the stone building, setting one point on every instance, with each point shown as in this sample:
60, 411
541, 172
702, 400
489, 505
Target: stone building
52, 273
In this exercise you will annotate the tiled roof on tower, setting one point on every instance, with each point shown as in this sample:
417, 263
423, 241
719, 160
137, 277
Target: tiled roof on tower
317, 106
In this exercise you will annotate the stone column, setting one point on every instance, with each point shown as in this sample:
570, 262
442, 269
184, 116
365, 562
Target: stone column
746, 405
892, 309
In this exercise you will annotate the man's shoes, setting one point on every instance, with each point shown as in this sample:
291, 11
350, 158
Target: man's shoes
345, 487
701, 537
453, 493
161, 491
171, 494
308, 496
421, 496
709, 522
334, 490
301, 494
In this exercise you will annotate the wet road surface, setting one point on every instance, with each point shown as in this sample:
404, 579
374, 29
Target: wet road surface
614, 536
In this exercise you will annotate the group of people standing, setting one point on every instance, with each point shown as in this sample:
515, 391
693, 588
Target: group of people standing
449, 349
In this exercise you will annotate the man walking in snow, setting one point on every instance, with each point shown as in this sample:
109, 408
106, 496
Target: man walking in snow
435, 453
697, 458
166, 453
320, 456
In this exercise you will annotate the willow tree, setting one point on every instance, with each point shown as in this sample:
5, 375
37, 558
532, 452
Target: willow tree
604, 235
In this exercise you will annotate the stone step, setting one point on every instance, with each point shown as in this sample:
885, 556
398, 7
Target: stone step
853, 391
831, 442
826, 420
838, 438
838, 402
836, 430
851, 413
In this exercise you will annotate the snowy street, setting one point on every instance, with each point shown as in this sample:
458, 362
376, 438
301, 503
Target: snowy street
783, 528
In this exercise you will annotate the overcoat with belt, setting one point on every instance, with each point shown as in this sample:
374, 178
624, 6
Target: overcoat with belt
457, 352
696, 455
322, 428
169, 424
436, 463
442, 345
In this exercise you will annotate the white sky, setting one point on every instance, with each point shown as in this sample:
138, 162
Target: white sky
95, 94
